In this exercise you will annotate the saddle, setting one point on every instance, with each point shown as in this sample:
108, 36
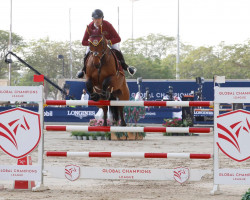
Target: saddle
115, 53
117, 62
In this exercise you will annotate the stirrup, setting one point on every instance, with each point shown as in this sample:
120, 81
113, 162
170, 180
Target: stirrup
80, 74
133, 69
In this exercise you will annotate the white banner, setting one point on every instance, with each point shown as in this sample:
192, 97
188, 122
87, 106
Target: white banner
20, 172
232, 95
21, 93
232, 176
124, 173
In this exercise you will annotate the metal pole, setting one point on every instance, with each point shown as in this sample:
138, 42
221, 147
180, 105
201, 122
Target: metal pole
178, 47
118, 20
118, 13
10, 41
70, 43
132, 26
63, 68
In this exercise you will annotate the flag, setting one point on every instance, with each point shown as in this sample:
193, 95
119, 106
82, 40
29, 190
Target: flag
38, 78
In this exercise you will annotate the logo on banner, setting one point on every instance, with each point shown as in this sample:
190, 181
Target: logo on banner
181, 174
20, 132
233, 134
72, 172
81, 114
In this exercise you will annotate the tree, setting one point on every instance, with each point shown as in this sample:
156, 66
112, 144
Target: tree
17, 45
42, 55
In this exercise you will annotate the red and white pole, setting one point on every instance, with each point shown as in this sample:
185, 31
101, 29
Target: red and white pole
127, 155
130, 129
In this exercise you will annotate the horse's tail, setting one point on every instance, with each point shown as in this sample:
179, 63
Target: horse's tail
115, 109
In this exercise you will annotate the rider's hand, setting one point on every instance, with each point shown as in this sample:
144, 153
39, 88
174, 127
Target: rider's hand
109, 42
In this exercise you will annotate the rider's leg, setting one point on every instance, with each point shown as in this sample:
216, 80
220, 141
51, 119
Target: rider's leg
81, 73
119, 55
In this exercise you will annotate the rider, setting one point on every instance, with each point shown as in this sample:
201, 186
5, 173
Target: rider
110, 34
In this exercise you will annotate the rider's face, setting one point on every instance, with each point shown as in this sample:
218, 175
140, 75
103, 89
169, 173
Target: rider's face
98, 21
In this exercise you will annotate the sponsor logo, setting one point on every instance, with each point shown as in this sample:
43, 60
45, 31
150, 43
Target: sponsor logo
72, 172
151, 113
181, 174
81, 114
20, 132
48, 113
233, 134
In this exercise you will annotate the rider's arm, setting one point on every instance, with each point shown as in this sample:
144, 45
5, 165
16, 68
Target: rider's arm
85, 41
115, 38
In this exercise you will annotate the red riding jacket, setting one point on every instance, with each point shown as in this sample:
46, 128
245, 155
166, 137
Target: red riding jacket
108, 31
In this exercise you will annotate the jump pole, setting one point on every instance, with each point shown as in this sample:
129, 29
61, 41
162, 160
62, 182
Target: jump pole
130, 103
129, 129
127, 155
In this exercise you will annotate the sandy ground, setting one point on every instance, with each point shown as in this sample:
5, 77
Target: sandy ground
126, 189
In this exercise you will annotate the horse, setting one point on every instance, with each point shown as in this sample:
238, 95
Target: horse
105, 80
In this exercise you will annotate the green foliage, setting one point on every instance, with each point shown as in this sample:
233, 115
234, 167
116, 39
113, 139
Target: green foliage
132, 114
43, 56
87, 134
246, 196
175, 122
17, 45
121, 134
154, 56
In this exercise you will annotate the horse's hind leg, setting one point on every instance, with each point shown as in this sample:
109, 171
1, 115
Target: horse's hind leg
123, 123
105, 111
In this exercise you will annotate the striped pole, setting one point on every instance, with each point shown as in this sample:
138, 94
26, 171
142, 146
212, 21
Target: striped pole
130, 103
212, 110
130, 129
127, 155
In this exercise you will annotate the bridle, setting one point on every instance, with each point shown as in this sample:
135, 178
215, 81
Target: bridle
104, 50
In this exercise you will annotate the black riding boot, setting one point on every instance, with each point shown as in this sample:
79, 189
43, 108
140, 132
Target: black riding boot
120, 57
81, 73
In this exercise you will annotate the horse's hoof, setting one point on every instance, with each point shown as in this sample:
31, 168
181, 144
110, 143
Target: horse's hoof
95, 97
105, 95
123, 123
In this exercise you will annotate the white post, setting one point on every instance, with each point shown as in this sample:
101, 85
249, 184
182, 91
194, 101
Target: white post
216, 189
40, 186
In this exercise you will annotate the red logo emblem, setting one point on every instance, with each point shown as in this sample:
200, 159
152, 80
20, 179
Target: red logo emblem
181, 174
20, 131
72, 172
233, 134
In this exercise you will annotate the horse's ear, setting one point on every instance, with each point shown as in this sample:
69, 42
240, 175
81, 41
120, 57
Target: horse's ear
89, 30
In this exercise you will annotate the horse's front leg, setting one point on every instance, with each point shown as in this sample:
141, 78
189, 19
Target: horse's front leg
105, 111
123, 123
106, 88
93, 95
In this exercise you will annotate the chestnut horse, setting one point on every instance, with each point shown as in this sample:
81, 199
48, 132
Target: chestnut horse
104, 80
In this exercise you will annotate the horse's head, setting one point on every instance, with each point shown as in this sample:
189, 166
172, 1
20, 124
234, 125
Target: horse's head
98, 46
